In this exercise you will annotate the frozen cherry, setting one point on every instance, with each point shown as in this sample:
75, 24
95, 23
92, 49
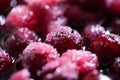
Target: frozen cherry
22, 16
107, 47
64, 38
6, 62
37, 54
54, 18
23, 74
91, 32
17, 41
85, 60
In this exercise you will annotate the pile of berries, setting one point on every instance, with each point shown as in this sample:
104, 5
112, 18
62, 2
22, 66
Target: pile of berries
59, 39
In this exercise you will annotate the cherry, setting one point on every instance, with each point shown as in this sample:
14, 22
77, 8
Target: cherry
64, 38
106, 47
37, 54
6, 62
18, 40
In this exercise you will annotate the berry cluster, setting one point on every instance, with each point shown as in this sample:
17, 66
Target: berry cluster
59, 39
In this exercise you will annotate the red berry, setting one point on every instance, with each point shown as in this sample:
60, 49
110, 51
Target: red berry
6, 62
64, 38
22, 16
17, 41
54, 18
21, 75
106, 47
85, 60
37, 54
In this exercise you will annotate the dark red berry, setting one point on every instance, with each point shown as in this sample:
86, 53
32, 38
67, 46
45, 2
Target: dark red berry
54, 18
37, 54
19, 40
107, 47
6, 62
64, 38
91, 32
22, 16
23, 74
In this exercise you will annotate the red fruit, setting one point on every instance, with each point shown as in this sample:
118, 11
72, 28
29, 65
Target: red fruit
23, 74
64, 38
107, 47
22, 16
37, 54
17, 41
54, 18
53, 13
6, 62
85, 60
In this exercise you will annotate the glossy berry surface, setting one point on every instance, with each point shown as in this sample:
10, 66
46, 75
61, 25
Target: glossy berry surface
37, 54
22, 16
64, 38
106, 48
18, 40
6, 62
23, 74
